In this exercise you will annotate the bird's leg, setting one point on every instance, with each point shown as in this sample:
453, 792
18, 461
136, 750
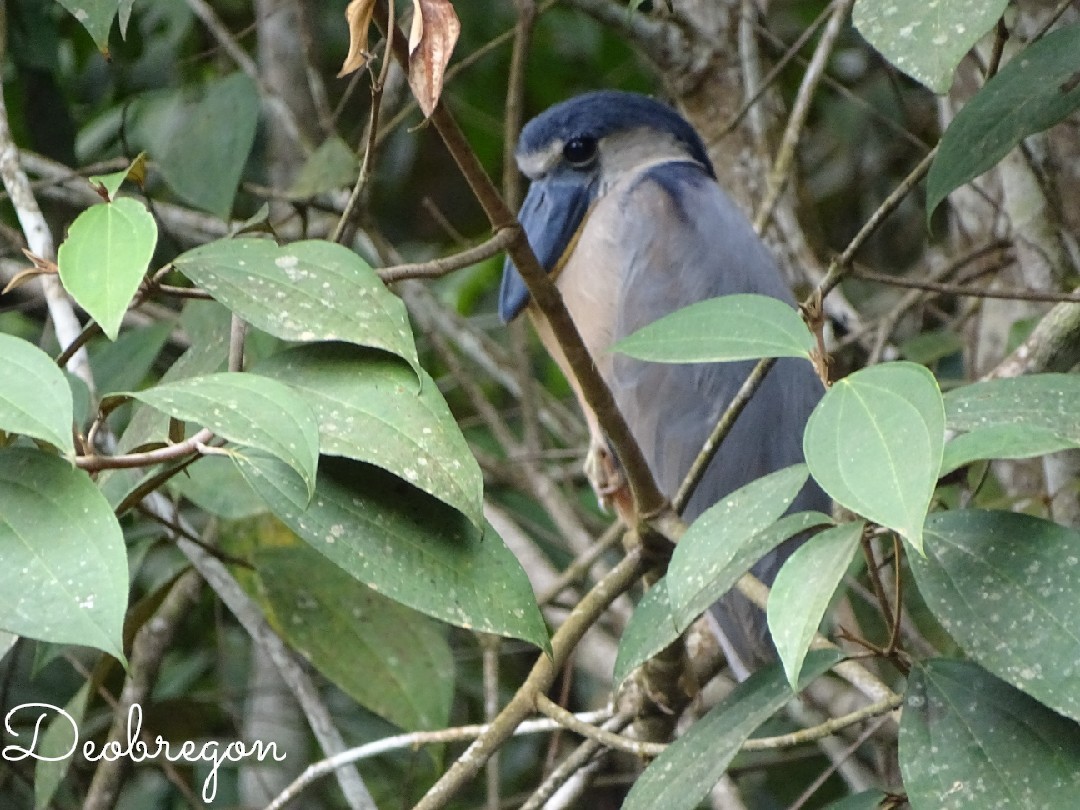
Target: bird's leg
604, 472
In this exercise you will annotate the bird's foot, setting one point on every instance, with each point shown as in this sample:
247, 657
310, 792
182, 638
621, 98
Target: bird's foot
604, 473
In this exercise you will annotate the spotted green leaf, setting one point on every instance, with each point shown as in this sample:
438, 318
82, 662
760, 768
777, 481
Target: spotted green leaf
307, 291
369, 409
1006, 586
65, 572
970, 740
246, 409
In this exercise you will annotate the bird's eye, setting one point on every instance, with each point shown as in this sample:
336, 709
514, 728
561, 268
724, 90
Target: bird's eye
580, 152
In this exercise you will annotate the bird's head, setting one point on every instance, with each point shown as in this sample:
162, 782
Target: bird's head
572, 153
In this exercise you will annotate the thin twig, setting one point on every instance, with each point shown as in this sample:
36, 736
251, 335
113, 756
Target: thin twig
785, 154
411, 741
437, 268
195, 444
1010, 294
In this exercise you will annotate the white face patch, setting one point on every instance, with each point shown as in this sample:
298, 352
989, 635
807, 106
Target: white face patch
537, 164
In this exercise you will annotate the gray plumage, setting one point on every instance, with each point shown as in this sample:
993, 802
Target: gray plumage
659, 234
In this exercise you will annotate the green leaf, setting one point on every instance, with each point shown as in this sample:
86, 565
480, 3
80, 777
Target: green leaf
804, 587
124, 363
684, 774
213, 483
1034, 91
105, 256
404, 544
1001, 441
707, 560
58, 743
246, 409
735, 327
875, 441
333, 165
369, 409
925, 41
1046, 401
204, 159
969, 740
112, 181
1006, 586
65, 574
307, 291
385, 656
35, 399
653, 624
96, 16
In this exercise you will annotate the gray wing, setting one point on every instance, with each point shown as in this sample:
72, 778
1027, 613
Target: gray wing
686, 241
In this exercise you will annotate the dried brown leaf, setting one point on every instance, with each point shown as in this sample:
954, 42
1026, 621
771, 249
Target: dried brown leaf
435, 30
358, 15
41, 267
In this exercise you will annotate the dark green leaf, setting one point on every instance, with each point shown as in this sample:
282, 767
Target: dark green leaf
385, 656
803, 589
307, 291
246, 409
735, 327
35, 399
65, 574
332, 166
125, 362
1001, 441
369, 409
926, 41
204, 159
1046, 401
1006, 586
968, 740
213, 483
1033, 91
404, 544
874, 443
685, 773
104, 258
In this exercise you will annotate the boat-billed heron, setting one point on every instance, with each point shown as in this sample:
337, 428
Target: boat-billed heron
625, 211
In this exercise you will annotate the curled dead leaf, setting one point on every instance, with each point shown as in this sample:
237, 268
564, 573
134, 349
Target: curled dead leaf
358, 16
41, 267
434, 32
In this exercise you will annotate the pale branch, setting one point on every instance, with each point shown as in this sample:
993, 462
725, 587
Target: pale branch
785, 155
148, 649
39, 238
550, 794
251, 618
543, 673
408, 742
